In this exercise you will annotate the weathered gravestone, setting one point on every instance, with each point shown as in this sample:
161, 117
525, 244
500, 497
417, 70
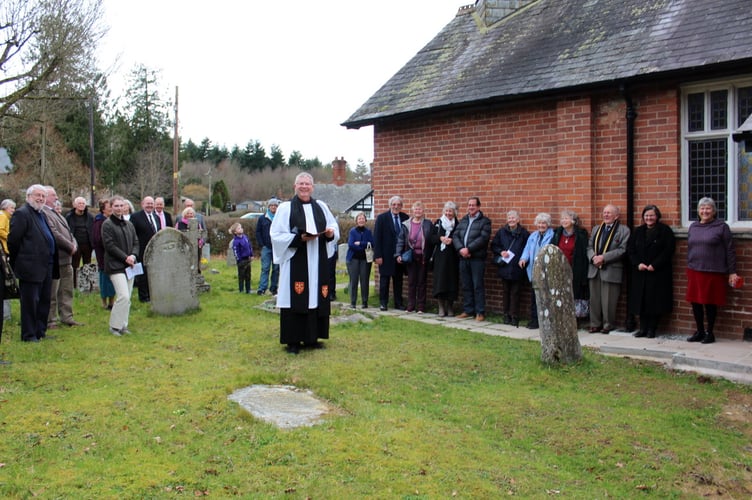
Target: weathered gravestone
552, 281
170, 260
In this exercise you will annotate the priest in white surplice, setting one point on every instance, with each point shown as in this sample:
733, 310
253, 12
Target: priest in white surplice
300, 231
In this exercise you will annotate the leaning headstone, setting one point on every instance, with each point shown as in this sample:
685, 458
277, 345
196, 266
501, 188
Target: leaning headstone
170, 260
552, 281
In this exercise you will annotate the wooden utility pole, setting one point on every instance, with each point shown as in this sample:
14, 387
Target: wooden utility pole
175, 151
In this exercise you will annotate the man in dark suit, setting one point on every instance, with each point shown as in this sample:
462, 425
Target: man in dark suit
165, 219
33, 257
385, 232
146, 223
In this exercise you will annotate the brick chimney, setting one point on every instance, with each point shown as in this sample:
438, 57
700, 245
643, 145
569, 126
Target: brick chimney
339, 171
491, 11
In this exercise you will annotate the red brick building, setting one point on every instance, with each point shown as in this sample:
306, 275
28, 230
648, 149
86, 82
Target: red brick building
542, 105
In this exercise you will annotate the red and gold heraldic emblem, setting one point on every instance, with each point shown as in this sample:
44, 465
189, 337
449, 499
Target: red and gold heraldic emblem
299, 287
325, 291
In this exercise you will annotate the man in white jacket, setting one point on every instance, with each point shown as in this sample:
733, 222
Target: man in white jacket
300, 232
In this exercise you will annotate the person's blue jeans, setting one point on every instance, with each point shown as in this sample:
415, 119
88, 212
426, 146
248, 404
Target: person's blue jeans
472, 273
266, 266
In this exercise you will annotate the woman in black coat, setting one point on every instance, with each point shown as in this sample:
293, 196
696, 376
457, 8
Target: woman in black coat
650, 250
445, 262
507, 246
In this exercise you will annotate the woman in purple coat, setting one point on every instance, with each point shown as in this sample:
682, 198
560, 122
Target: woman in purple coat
711, 266
416, 236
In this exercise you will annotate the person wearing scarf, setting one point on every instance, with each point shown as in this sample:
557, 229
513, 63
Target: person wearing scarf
263, 225
299, 232
537, 240
446, 276
606, 249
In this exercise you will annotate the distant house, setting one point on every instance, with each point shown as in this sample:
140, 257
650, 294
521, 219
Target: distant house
541, 105
343, 198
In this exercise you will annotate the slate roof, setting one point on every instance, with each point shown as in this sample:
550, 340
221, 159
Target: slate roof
342, 199
554, 45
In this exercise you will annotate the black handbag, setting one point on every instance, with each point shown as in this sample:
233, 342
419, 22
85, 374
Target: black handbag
11, 283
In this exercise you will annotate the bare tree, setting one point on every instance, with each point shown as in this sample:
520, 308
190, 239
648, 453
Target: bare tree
47, 48
152, 174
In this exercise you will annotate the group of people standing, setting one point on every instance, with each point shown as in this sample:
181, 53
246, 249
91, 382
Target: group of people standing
456, 252
452, 248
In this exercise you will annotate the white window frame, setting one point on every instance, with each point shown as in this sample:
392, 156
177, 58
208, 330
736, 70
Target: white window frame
732, 186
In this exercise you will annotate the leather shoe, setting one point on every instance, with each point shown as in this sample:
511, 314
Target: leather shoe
641, 333
708, 339
52, 326
480, 317
73, 323
464, 315
607, 330
594, 329
696, 337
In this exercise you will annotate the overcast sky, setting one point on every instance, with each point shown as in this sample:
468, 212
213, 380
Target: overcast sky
280, 72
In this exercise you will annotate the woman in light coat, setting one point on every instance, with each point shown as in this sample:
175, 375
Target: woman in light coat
535, 242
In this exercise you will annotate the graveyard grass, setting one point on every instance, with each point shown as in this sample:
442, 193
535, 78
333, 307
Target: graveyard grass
421, 412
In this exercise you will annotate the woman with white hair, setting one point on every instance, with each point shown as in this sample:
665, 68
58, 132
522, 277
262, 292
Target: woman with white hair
535, 242
446, 271
507, 247
711, 267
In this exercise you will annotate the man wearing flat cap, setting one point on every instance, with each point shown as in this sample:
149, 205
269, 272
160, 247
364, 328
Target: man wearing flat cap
263, 224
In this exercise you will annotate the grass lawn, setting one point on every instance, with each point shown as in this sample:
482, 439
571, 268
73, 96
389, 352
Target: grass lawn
424, 412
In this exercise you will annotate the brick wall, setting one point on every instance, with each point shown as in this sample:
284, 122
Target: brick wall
546, 156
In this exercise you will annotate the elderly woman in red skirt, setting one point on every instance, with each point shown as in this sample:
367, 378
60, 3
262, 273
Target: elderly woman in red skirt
711, 266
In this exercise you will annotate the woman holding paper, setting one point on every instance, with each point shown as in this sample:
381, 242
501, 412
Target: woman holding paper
120, 251
507, 247
572, 240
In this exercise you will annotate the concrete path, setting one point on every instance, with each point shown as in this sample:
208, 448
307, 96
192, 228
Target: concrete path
728, 359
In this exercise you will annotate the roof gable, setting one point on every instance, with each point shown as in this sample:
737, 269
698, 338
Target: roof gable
341, 199
559, 44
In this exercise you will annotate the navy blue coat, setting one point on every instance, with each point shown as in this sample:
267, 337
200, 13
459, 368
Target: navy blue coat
506, 239
29, 248
385, 243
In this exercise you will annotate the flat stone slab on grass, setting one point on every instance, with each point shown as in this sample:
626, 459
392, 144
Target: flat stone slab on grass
285, 406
